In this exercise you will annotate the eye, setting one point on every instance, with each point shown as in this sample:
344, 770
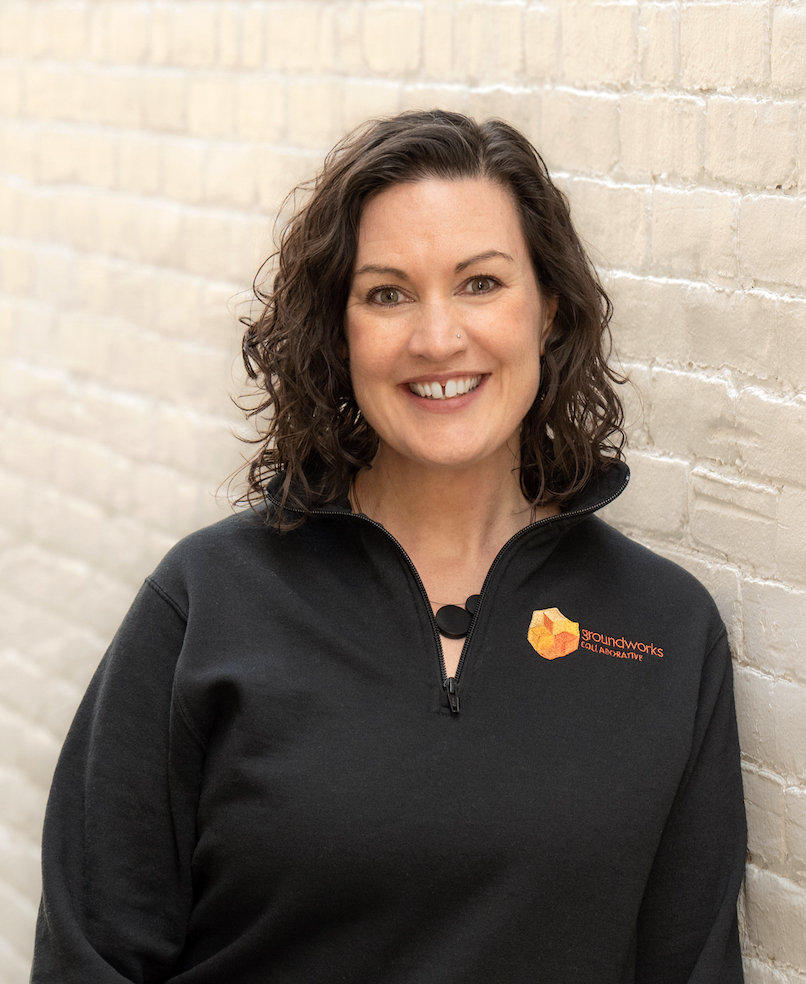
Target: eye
386, 296
482, 285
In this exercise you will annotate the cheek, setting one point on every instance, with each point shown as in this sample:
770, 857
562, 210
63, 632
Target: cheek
527, 360
529, 386
355, 349
371, 349
368, 369
365, 367
521, 346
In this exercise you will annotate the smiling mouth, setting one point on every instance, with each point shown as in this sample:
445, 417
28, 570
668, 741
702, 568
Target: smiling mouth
452, 388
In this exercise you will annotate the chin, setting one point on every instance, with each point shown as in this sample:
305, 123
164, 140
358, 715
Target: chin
449, 460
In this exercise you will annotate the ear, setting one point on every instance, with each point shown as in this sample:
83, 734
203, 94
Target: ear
550, 305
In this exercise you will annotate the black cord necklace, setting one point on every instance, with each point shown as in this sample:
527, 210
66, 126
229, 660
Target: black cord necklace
452, 621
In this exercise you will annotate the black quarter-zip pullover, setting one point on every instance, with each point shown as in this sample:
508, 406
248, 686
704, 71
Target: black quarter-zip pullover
267, 782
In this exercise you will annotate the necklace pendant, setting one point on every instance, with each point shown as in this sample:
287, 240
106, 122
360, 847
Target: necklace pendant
454, 622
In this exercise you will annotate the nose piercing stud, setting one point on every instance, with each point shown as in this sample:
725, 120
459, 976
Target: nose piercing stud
458, 336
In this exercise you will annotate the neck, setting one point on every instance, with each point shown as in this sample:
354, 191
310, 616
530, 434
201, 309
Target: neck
445, 513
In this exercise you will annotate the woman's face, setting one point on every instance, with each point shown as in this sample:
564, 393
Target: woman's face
445, 323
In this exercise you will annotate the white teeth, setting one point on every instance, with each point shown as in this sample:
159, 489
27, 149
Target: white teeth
453, 387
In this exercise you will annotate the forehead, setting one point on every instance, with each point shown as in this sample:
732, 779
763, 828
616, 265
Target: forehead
438, 213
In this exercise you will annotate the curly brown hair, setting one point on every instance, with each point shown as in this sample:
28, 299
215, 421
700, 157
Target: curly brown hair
294, 350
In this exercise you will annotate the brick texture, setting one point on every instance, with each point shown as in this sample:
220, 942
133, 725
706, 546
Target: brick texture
145, 150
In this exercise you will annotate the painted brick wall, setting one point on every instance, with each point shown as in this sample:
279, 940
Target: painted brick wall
144, 148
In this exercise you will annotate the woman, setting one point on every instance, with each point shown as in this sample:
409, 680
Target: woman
424, 717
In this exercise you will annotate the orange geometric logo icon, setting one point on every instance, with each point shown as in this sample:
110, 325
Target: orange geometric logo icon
552, 634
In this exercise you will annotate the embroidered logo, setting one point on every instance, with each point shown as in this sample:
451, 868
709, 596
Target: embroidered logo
552, 634
621, 647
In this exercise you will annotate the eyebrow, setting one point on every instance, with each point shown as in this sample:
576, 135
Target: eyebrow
489, 255
402, 275
392, 271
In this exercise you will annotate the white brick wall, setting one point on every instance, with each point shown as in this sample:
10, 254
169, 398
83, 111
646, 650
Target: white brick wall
145, 147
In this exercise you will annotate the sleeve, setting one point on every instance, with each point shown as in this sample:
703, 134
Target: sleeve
687, 925
120, 823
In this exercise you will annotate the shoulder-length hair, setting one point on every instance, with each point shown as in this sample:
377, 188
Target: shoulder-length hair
295, 349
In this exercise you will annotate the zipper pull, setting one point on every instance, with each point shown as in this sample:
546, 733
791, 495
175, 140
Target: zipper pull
452, 689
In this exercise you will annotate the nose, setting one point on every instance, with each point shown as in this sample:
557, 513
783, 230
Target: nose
437, 334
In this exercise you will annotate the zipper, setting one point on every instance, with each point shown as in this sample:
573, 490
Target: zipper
452, 689
451, 684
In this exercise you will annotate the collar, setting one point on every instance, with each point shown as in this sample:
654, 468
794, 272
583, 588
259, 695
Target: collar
602, 490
